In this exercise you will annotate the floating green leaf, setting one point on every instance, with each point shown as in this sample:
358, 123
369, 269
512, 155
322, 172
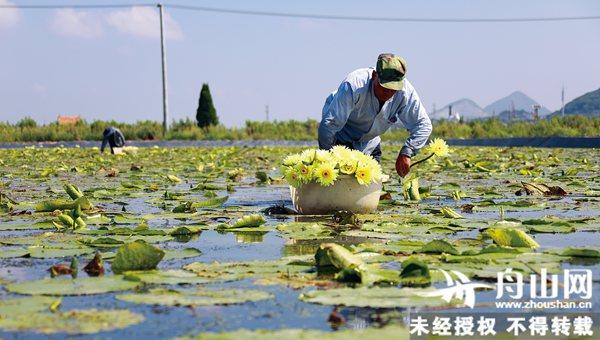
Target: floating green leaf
510, 237
376, 297
67, 286
171, 277
71, 322
136, 255
201, 297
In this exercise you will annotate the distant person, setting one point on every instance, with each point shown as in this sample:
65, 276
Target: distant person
367, 103
114, 138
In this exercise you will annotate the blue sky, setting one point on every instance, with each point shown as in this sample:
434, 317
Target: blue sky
105, 64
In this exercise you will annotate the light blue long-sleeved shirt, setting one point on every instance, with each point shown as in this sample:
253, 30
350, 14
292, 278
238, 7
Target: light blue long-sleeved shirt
351, 115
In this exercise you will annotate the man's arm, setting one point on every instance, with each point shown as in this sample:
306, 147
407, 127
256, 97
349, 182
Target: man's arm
417, 122
335, 115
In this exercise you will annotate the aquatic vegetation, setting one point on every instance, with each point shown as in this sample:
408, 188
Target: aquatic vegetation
79, 286
203, 297
510, 237
226, 232
249, 221
136, 255
85, 321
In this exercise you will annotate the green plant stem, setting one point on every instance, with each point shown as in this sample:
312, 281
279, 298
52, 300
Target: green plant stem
422, 160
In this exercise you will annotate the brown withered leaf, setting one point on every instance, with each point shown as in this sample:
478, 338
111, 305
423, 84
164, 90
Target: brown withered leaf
60, 269
467, 208
95, 267
112, 172
540, 189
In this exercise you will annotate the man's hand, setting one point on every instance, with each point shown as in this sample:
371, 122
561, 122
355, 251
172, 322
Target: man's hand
402, 165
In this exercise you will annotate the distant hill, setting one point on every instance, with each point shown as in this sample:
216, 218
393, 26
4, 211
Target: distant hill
586, 105
466, 108
507, 116
520, 101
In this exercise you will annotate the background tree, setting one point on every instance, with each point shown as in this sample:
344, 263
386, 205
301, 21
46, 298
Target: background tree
206, 114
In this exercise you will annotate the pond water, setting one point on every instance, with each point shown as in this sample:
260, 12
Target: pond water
29, 176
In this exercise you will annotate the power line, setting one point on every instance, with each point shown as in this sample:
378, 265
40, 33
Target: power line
361, 18
79, 6
308, 15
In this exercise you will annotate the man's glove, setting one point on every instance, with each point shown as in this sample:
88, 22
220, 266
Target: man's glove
402, 165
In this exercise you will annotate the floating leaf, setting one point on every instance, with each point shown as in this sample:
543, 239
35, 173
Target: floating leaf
79, 286
60, 204
136, 255
170, 277
212, 202
73, 191
448, 212
203, 297
540, 189
6, 253
174, 179
439, 247
581, 252
248, 221
242, 270
25, 305
181, 253
71, 322
388, 332
334, 255
511, 237
376, 297
305, 231
414, 273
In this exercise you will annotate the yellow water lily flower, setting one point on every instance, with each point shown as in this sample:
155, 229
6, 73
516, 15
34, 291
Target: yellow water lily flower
308, 156
348, 167
341, 153
324, 166
326, 174
439, 147
292, 160
292, 177
323, 156
305, 172
364, 175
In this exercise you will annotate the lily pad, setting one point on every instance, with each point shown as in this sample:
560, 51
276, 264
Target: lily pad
25, 305
12, 252
88, 321
55, 252
376, 297
181, 253
511, 237
168, 277
241, 270
136, 255
389, 332
67, 286
204, 297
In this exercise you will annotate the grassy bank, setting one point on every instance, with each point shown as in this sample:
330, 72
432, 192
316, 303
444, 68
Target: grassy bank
27, 130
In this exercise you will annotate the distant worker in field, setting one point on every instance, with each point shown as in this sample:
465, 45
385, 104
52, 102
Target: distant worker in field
370, 101
114, 138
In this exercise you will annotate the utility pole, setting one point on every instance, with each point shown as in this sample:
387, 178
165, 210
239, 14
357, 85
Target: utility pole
267, 112
163, 55
562, 99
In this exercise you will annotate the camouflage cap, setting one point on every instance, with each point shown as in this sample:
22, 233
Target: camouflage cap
390, 71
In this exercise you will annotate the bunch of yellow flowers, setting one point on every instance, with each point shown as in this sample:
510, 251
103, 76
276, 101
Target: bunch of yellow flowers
324, 166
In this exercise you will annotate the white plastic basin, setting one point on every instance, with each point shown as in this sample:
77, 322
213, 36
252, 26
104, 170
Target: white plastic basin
344, 194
